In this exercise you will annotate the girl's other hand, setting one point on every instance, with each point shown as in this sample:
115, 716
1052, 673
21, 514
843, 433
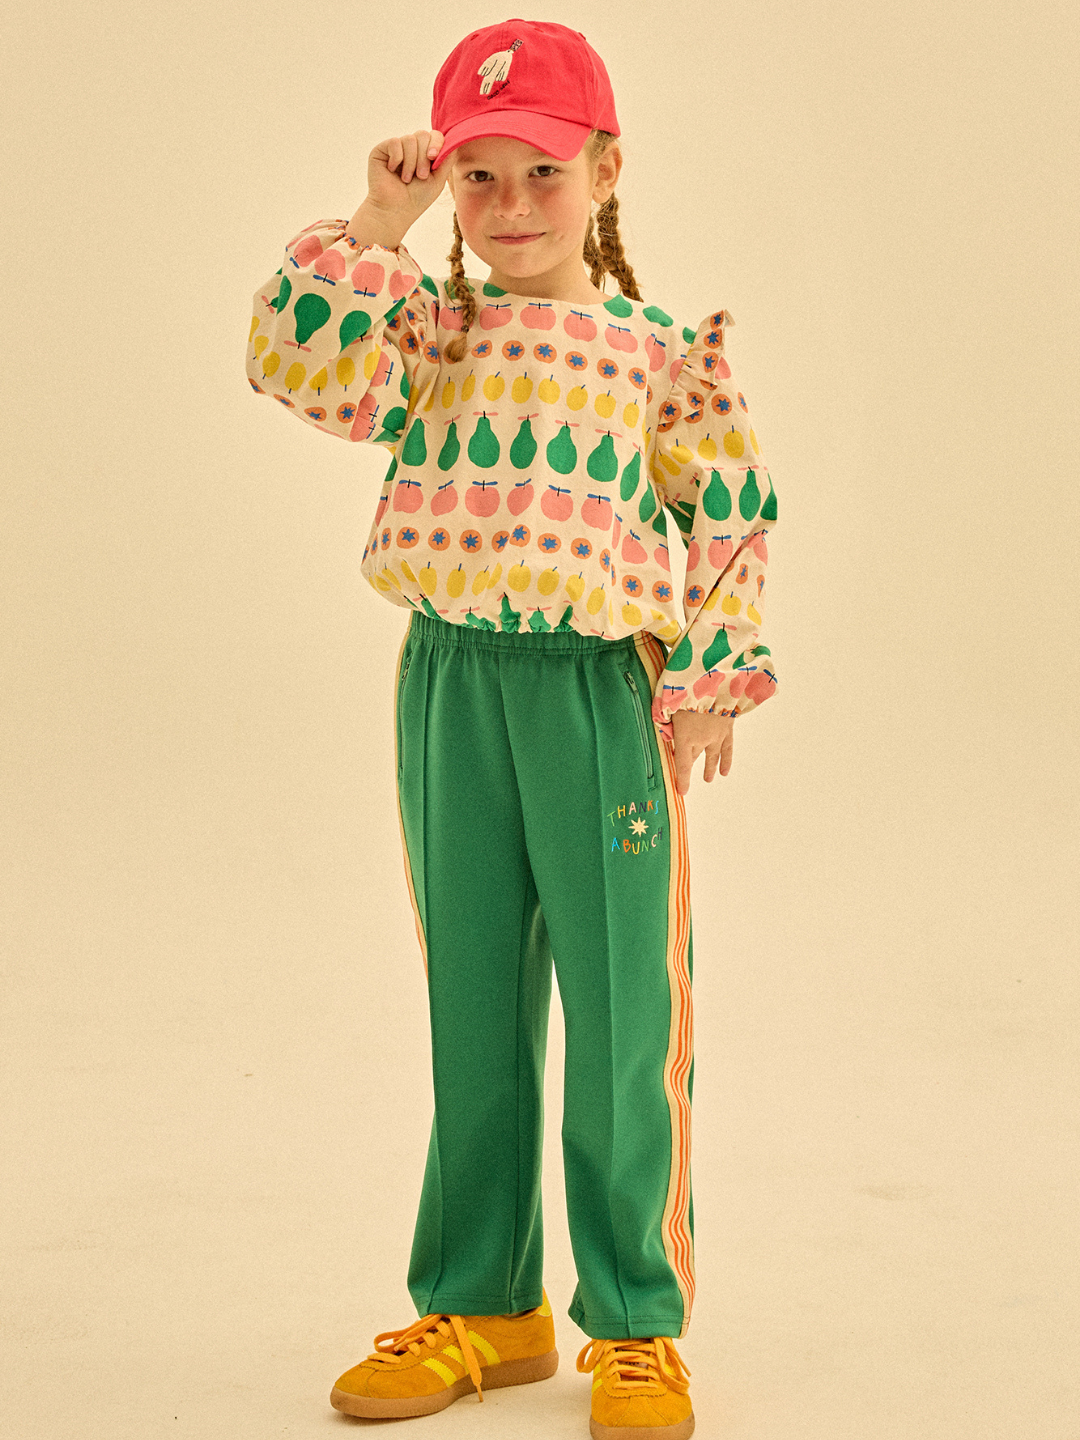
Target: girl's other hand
696, 731
401, 182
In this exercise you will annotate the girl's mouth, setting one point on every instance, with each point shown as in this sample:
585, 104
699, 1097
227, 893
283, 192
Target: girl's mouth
516, 239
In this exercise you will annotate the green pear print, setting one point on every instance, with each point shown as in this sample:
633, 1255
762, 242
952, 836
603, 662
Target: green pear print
311, 313
749, 497
566, 623
602, 463
630, 476
768, 510
719, 650
490, 289
451, 448
681, 656
619, 305
689, 335
484, 445
716, 502
414, 451
562, 452
284, 291
353, 325
523, 450
538, 623
648, 503
657, 316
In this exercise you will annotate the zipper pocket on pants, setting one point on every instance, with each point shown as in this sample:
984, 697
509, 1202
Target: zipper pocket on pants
401, 687
642, 731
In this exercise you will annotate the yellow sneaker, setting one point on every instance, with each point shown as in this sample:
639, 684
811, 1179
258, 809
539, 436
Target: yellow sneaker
439, 1358
640, 1390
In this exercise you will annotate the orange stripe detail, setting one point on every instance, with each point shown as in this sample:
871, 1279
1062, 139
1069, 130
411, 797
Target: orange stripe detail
675, 1226
401, 821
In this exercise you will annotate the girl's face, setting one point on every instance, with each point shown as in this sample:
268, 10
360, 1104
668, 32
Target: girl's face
507, 188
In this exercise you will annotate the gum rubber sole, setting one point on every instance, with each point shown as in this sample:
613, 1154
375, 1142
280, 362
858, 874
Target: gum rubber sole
492, 1377
682, 1431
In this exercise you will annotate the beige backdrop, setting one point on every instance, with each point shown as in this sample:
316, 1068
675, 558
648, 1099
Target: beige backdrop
215, 1065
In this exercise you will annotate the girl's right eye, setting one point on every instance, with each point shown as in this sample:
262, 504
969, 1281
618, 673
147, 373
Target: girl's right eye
487, 173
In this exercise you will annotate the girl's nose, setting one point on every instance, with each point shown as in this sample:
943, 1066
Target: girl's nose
511, 201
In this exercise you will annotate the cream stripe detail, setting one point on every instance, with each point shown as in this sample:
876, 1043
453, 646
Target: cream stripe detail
443, 1371
490, 1354
675, 1225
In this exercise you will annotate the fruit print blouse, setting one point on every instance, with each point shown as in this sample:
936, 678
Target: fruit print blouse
529, 481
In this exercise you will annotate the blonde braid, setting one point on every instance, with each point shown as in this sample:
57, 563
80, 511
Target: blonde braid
457, 286
613, 256
592, 257
609, 255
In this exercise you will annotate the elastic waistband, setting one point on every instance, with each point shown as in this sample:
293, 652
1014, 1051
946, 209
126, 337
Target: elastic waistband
549, 642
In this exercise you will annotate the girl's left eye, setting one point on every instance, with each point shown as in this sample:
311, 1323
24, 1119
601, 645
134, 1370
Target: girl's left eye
550, 168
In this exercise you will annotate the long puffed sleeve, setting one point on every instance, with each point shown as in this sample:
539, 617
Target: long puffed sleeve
338, 333
711, 475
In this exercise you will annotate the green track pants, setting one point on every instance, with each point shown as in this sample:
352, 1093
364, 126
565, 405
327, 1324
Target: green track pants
540, 822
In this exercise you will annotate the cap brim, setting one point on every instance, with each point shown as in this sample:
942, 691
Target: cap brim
561, 139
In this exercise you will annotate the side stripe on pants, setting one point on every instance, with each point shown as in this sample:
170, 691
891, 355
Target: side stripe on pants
678, 1240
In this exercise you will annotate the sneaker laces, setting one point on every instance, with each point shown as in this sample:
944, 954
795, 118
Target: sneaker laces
632, 1366
429, 1330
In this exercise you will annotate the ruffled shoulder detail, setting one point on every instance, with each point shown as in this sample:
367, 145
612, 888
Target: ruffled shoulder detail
701, 361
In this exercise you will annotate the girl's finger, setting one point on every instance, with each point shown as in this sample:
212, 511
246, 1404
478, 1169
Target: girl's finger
408, 168
423, 159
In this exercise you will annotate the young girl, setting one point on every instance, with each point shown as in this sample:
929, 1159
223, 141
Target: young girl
551, 699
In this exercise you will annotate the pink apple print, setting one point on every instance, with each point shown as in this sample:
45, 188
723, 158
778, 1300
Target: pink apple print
597, 512
719, 551
538, 317
656, 351
723, 369
401, 284
760, 685
662, 558
520, 497
366, 411
384, 500
693, 557
633, 552
757, 544
449, 319
309, 249
330, 266
557, 503
674, 368
445, 499
580, 325
617, 531
367, 277
482, 497
739, 681
408, 495
708, 684
619, 338
382, 370
492, 316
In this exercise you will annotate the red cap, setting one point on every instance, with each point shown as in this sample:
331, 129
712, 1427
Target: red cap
530, 79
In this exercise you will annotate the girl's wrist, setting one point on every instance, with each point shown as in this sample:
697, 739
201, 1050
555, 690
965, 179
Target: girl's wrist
371, 226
